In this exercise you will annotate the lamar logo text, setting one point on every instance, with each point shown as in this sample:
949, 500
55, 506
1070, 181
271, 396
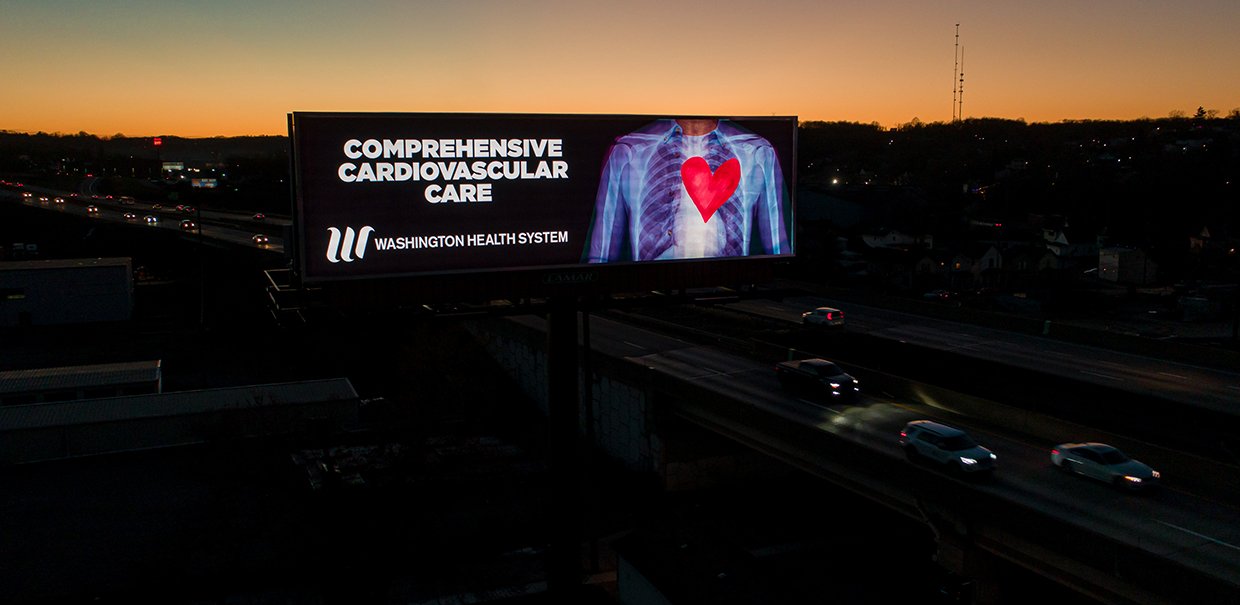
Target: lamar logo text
346, 250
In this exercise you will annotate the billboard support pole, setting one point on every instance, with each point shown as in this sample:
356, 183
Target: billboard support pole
563, 552
587, 403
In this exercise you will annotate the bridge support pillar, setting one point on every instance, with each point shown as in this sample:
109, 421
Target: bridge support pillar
973, 572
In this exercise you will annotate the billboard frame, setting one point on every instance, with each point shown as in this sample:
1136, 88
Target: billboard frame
486, 283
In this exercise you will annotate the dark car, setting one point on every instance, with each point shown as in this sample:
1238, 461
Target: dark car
823, 316
189, 225
818, 377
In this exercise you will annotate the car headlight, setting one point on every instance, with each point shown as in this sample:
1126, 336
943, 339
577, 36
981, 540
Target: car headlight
835, 385
993, 456
968, 460
1132, 479
1155, 474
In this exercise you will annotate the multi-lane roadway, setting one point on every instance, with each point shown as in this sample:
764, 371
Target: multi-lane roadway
741, 397
214, 226
1188, 384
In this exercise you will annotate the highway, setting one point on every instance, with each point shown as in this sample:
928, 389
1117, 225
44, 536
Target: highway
739, 396
1208, 388
218, 227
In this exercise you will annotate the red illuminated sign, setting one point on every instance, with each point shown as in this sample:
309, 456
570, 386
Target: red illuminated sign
158, 141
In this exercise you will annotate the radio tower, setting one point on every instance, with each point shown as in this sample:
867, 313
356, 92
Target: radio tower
955, 72
960, 101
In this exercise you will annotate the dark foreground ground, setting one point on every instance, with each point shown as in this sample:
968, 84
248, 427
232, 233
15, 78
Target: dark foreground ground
441, 499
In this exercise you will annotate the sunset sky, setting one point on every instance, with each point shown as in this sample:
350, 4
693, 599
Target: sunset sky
234, 67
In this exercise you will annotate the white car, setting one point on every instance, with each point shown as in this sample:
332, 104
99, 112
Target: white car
1104, 463
945, 445
823, 316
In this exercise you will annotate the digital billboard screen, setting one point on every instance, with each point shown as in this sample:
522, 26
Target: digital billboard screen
400, 195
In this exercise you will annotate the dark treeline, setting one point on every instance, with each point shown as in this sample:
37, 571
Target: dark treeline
1145, 182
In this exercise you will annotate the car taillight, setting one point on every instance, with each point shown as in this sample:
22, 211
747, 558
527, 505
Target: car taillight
830, 316
903, 434
1054, 452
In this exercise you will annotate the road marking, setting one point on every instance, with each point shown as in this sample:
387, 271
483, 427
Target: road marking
1100, 375
1202, 536
819, 404
635, 346
1174, 375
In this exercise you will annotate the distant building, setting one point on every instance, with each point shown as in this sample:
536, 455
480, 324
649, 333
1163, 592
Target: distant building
898, 240
45, 385
1057, 242
1199, 241
1125, 266
46, 292
977, 265
68, 429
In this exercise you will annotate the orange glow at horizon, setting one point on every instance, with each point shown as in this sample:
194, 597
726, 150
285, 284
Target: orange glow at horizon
230, 68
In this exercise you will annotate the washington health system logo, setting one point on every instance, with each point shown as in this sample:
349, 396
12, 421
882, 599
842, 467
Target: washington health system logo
346, 250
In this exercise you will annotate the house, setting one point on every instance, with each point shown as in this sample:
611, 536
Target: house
977, 265
1125, 266
898, 240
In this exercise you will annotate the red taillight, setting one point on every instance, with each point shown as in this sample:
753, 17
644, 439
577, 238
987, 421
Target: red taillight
830, 316
1054, 452
903, 434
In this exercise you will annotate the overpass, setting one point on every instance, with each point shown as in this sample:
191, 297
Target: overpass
1169, 547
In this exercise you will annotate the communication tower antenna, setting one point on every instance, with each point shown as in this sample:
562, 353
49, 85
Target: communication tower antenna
960, 114
955, 71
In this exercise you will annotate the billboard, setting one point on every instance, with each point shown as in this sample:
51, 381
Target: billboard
405, 195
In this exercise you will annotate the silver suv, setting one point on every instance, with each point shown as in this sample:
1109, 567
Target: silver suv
945, 445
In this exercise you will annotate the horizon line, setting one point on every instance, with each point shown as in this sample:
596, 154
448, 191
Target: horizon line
914, 122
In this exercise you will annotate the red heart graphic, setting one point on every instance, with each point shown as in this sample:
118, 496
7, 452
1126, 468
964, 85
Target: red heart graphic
709, 191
